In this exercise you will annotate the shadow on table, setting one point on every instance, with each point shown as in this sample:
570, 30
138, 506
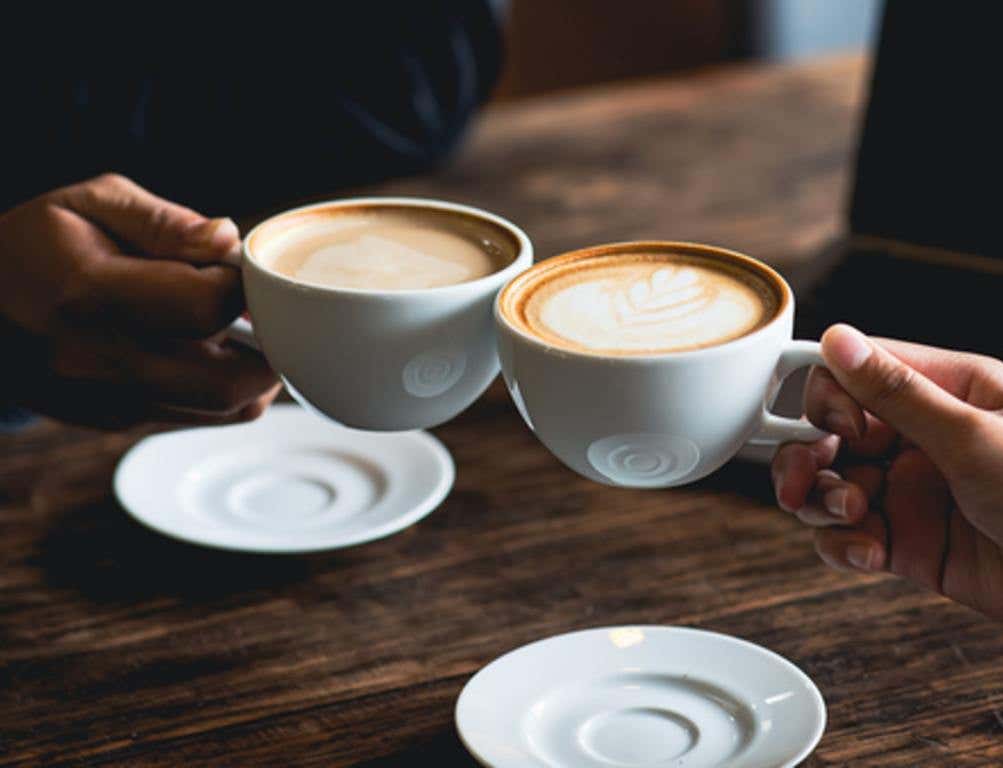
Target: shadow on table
93, 547
444, 749
746, 478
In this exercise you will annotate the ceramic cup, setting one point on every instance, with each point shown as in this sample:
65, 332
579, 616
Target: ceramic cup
379, 359
660, 420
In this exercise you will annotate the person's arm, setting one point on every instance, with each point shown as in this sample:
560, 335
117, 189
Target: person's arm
249, 112
389, 93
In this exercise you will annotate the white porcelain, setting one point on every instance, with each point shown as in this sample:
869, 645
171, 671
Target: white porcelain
288, 482
657, 421
658, 697
380, 360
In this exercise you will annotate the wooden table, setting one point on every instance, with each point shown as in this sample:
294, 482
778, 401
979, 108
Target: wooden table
120, 647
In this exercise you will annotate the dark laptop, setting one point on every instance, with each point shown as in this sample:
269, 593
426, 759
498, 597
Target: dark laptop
923, 259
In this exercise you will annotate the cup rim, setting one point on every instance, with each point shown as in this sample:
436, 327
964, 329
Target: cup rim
524, 252
633, 246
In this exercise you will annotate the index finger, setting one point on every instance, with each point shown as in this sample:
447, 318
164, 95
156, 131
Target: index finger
149, 225
962, 374
172, 298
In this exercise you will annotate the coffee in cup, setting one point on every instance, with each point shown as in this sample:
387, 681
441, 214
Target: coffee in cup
650, 364
642, 303
376, 312
382, 247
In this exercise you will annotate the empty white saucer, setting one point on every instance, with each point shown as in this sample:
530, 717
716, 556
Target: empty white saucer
288, 482
640, 696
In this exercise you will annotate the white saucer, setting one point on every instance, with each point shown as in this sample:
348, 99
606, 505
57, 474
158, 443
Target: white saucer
288, 482
640, 696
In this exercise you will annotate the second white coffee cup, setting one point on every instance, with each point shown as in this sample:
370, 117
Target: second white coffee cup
380, 359
655, 420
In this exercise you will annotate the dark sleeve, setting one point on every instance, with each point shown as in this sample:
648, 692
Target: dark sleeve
237, 115
388, 93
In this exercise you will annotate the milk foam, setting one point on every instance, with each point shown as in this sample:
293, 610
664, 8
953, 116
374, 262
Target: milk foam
638, 307
377, 252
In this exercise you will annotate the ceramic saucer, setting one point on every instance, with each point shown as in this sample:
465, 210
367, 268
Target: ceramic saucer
288, 482
640, 696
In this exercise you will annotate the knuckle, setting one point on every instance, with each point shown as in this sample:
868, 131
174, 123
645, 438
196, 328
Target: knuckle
892, 381
106, 190
992, 368
90, 194
110, 180
159, 232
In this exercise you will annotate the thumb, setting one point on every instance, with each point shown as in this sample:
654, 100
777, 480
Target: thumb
896, 393
149, 224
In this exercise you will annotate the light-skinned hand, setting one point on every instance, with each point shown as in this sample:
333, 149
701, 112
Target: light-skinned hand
112, 303
912, 480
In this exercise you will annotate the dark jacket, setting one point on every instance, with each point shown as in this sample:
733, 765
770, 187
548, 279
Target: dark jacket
233, 116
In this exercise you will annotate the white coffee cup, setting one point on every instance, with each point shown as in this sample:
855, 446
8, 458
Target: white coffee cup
379, 359
658, 420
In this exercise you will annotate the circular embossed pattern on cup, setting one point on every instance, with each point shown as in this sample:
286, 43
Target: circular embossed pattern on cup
433, 372
644, 460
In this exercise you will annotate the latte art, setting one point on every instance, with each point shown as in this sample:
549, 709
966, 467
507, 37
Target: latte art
671, 306
633, 304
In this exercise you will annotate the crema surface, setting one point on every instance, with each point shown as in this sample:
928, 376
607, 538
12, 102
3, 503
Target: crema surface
382, 250
644, 304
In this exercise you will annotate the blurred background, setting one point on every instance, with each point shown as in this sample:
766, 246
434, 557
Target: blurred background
558, 44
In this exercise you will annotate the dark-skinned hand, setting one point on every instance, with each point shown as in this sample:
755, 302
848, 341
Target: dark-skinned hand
112, 307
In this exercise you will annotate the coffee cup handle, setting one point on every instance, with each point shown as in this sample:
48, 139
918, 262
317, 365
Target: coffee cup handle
781, 429
242, 332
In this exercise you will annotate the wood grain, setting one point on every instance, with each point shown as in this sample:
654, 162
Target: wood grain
120, 647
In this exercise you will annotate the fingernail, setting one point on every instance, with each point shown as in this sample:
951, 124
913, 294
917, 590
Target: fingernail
220, 235
847, 346
862, 556
778, 484
216, 233
223, 233
835, 502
